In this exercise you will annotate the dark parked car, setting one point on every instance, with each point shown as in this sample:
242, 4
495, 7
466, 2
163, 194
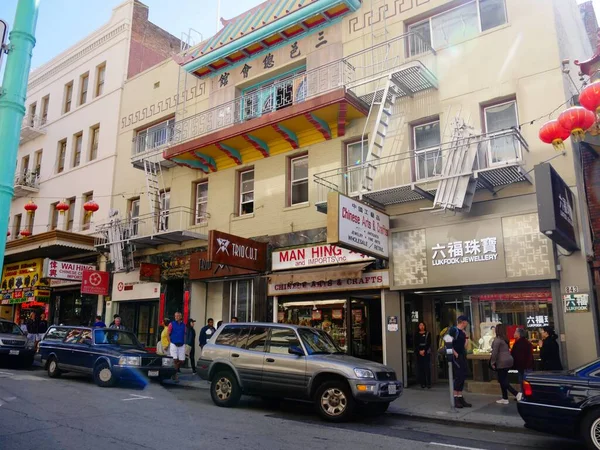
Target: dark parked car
14, 345
108, 354
564, 402
278, 361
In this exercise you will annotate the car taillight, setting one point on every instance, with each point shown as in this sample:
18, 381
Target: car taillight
527, 391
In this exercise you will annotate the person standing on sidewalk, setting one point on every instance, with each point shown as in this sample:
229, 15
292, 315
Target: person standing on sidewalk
459, 348
423, 352
501, 361
190, 340
177, 347
99, 323
33, 325
206, 332
550, 353
522, 353
165, 342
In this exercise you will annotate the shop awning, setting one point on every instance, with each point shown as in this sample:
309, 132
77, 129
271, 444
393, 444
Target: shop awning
319, 273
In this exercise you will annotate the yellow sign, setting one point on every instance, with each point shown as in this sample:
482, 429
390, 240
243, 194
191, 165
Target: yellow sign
20, 280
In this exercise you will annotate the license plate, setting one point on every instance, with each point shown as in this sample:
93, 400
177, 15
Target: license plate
13, 352
153, 373
392, 389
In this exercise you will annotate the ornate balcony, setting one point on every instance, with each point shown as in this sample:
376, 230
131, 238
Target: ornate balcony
26, 184
31, 128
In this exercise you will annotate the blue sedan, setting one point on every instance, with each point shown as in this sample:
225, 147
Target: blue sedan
565, 402
109, 355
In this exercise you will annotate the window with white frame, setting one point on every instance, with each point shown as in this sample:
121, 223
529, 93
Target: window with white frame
155, 136
246, 187
165, 206
241, 300
201, 202
134, 216
500, 119
456, 25
428, 153
298, 180
356, 155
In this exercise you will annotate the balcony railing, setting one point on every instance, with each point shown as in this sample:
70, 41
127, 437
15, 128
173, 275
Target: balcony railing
150, 230
26, 184
149, 144
31, 128
415, 175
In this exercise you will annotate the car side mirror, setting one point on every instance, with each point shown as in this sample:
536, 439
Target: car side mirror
295, 350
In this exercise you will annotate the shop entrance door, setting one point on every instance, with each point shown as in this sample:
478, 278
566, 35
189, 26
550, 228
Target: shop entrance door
142, 319
366, 329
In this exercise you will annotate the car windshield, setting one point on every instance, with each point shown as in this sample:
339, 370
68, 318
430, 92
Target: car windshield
318, 342
10, 328
116, 337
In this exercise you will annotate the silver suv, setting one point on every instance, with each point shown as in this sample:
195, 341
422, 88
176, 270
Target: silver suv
287, 361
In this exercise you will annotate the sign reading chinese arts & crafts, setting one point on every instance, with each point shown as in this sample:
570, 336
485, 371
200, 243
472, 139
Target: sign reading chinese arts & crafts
21, 281
95, 282
316, 255
576, 303
369, 280
236, 251
63, 270
356, 226
203, 269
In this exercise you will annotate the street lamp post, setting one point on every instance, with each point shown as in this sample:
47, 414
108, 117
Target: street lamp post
12, 104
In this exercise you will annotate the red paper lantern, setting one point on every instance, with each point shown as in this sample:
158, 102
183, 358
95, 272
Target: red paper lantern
25, 233
590, 98
553, 133
62, 207
30, 207
91, 207
577, 120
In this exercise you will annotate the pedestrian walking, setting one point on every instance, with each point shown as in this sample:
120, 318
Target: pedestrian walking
165, 341
550, 353
423, 352
206, 333
501, 361
459, 349
177, 338
117, 323
522, 353
99, 323
113, 322
234, 320
23, 326
33, 325
190, 341
43, 325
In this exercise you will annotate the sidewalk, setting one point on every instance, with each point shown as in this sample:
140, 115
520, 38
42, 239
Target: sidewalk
430, 404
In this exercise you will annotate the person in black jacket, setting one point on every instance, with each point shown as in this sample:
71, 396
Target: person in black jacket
550, 353
190, 339
423, 352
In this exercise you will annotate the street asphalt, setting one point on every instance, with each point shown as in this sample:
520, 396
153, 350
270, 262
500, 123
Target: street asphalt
71, 412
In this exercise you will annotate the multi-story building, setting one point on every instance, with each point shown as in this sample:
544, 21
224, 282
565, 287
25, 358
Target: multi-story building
67, 157
428, 111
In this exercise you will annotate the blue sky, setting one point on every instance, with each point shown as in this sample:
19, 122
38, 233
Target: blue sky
61, 23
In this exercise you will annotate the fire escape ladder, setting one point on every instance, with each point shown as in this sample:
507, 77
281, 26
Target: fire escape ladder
153, 171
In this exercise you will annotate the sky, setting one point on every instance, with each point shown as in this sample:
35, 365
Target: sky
62, 23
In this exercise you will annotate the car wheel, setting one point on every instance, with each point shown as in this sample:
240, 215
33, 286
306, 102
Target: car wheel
375, 409
334, 401
53, 370
103, 376
590, 429
225, 390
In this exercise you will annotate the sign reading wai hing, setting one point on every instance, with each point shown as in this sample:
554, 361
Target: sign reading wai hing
462, 252
64, 270
356, 226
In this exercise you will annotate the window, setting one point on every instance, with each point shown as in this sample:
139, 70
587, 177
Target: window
100, 74
68, 97
94, 139
229, 336
60, 157
83, 88
456, 25
356, 155
257, 339
30, 221
87, 218
201, 202
25, 166
246, 185
45, 106
165, 205
17, 226
281, 341
499, 119
56, 334
31, 115
134, 215
154, 137
77, 141
298, 180
53, 216
428, 154
38, 163
241, 300
71, 213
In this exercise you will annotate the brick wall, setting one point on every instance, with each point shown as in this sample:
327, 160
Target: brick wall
150, 44
590, 21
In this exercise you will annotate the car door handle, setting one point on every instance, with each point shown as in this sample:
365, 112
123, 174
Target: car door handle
270, 360
235, 355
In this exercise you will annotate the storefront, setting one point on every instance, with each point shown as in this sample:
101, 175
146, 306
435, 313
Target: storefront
24, 290
327, 287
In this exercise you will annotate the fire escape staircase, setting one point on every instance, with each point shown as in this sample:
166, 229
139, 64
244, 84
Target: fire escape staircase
153, 171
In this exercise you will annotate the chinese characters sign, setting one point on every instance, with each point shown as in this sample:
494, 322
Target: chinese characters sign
65, 270
537, 321
21, 281
461, 252
576, 303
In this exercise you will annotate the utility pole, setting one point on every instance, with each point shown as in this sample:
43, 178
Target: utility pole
12, 104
